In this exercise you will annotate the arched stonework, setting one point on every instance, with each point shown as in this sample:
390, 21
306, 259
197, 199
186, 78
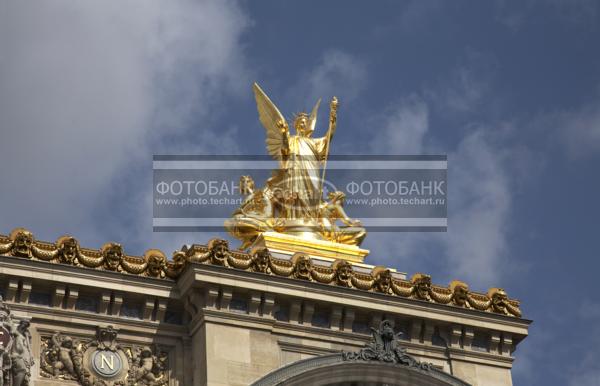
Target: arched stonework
381, 362
333, 370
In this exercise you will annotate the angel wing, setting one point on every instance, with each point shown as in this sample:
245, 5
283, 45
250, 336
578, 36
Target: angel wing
312, 119
271, 119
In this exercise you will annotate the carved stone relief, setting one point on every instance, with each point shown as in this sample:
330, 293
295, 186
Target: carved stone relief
103, 361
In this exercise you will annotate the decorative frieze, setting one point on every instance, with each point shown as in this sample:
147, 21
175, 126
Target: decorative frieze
12, 290
336, 317
25, 291
59, 294
226, 295
307, 312
110, 257
104, 302
268, 305
348, 319
507, 344
341, 273
102, 361
455, 336
72, 295
161, 309
154, 263
117, 304
254, 304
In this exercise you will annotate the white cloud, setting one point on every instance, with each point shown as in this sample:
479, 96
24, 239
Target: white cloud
403, 128
475, 246
589, 310
514, 15
579, 130
88, 91
337, 73
463, 90
467, 91
589, 377
479, 200
587, 371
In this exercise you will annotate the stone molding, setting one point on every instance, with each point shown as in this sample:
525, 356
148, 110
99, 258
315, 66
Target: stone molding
154, 264
326, 364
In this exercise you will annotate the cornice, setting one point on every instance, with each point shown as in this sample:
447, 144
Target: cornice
340, 277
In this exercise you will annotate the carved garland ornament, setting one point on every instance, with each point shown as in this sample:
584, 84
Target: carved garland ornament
110, 257
154, 263
341, 273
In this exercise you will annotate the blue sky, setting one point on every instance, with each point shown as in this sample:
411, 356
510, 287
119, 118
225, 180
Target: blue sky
510, 91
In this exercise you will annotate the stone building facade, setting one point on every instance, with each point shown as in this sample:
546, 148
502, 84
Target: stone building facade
214, 316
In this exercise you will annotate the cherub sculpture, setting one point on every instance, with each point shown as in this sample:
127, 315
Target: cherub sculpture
254, 216
60, 356
146, 368
330, 212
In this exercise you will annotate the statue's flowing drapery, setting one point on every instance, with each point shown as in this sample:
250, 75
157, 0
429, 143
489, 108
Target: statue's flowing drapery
302, 179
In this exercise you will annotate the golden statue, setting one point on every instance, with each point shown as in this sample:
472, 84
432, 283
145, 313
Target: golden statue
291, 202
351, 233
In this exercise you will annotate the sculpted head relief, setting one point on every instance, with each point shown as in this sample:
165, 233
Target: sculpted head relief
113, 254
22, 242
68, 249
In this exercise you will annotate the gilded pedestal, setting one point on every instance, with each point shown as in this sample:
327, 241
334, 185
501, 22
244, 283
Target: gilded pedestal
287, 245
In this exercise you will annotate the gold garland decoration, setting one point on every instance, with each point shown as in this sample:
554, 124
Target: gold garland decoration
341, 273
66, 250
154, 263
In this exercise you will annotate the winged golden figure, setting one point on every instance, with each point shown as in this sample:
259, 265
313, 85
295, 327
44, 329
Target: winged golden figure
299, 181
291, 201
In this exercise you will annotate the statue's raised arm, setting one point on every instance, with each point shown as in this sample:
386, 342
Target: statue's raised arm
274, 123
